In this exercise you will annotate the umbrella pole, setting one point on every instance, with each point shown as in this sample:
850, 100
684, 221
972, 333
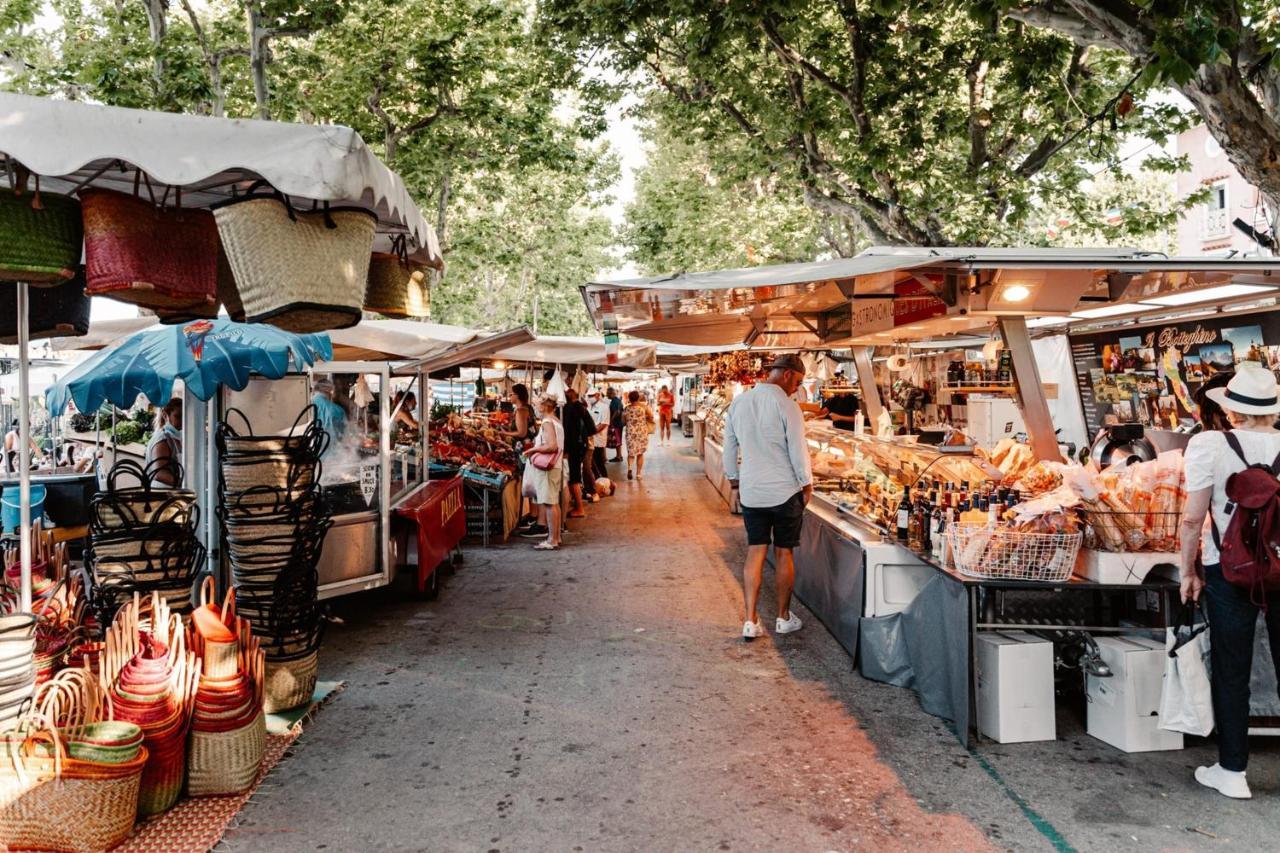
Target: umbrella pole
211, 530
24, 449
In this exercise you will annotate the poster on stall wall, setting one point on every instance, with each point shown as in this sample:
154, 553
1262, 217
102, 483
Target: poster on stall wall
1149, 374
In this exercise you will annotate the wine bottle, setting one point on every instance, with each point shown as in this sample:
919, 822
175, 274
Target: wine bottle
904, 514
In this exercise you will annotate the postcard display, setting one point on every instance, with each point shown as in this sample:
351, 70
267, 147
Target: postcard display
1148, 374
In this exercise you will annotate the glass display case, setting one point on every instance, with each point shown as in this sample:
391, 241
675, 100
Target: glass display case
717, 408
865, 475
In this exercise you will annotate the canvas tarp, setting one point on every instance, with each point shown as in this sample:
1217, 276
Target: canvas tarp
71, 143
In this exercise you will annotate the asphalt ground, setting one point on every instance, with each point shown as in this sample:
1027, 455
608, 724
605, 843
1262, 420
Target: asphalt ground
599, 698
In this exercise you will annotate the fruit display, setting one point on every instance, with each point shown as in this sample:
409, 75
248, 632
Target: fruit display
474, 441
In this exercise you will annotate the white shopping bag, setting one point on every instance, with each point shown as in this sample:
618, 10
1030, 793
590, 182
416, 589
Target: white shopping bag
1186, 703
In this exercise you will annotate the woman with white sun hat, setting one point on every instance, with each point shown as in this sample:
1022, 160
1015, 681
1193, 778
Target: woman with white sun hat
1252, 402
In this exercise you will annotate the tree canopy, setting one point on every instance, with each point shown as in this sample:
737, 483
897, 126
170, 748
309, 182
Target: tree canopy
922, 121
461, 98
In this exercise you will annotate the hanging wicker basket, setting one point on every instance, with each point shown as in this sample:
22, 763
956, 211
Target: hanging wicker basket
300, 271
60, 311
165, 259
40, 236
397, 287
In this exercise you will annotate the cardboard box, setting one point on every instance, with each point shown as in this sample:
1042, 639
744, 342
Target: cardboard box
1015, 687
1125, 567
1123, 710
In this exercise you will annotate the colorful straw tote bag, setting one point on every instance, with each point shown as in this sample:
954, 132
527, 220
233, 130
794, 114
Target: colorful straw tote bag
162, 258
40, 236
58, 311
397, 286
303, 271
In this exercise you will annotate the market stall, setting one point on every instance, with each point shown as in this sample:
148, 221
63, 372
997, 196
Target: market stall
58, 148
1046, 548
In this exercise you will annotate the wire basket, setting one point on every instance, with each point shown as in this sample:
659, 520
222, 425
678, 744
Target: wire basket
1107, 530
980, 551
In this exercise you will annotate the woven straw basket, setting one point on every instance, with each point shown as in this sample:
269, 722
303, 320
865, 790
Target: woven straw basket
91, 806
160, 258
397, 288
58, 311
226, 762
40, 237
277, 472
290, 683
302, 272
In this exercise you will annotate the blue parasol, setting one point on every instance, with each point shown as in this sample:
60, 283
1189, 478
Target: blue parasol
204, 354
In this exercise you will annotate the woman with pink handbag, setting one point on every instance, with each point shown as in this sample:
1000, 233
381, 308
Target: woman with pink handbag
544, 472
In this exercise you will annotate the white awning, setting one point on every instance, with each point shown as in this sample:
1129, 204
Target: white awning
397, 339
103, 333
73, 144
481, 347
803, 305
588, 350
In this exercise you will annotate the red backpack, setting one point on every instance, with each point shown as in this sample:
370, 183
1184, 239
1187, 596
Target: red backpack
1249, 550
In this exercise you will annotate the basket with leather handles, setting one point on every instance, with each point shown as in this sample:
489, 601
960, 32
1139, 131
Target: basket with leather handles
398, 287
159, 257
277, 471
306, 438
60, 311
41, 234
303, 271
51, 801
133, 506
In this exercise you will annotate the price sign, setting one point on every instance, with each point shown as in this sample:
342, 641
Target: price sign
369, 483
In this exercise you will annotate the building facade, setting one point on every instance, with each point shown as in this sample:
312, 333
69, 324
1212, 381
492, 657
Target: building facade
1209, 229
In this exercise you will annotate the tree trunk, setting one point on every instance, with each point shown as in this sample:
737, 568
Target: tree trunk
1234, 117
442, 207
258, 36
219, 105
158, 26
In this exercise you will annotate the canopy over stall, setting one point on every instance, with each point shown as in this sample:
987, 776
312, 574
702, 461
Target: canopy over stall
71, 145
466, 353
889, 294
373, 340
583, 351
103, 333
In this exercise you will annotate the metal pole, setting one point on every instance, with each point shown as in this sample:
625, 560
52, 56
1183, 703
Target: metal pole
426, 427
871, 404
211, 530
1041, 433
24, 450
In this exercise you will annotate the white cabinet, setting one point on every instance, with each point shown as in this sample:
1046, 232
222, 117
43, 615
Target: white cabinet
993, 418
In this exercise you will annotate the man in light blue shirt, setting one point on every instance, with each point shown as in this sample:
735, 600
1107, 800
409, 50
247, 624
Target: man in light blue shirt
774, 483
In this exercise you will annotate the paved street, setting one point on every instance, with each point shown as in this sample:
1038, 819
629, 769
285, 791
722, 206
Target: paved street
598, 699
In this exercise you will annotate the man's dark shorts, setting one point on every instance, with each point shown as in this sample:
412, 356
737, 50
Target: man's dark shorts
576, 460
778, 525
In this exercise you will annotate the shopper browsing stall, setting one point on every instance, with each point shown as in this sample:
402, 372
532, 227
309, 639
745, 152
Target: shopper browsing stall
164, 451
775, 483
545, 473
599, 410
578, 432
1251, 401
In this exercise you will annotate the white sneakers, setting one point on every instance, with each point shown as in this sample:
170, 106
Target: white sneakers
789, 625
1229, 783
751, 630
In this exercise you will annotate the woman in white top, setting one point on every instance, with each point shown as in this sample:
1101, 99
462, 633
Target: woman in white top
1252, 401
548, 483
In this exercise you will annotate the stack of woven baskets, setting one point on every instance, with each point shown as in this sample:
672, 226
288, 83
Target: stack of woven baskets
151, 679
95, 766
142, 540
273, 526
228, 726
17, 665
